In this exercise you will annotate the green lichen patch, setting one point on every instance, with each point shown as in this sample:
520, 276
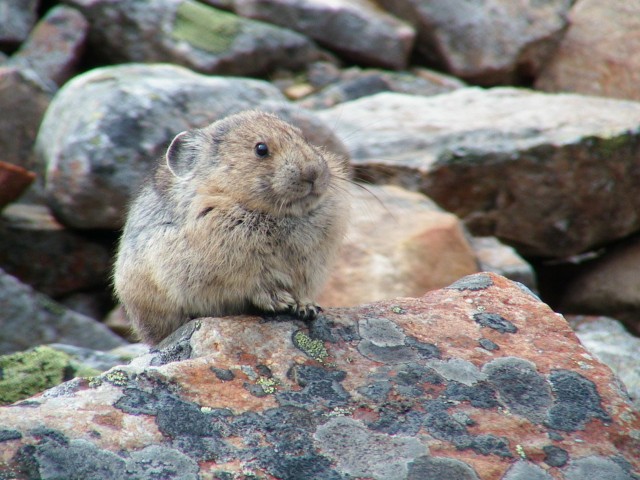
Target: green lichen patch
24, 374
269, 385
313, 348
119, 378
205, 27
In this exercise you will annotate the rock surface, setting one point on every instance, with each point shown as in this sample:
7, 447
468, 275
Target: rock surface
357, 29
609, 285
613, 345
16, 20
27, 98
399, 244
489, 42
14, 180
55, 46
43, 254
600, 54
551, 174
476, 381
107, 128
29, 318
189, 33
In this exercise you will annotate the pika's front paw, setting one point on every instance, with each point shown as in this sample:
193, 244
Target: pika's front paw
306, 310
283, 302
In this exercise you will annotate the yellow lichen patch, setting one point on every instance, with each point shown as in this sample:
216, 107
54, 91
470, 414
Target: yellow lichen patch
205, 27
313, 348
269, 385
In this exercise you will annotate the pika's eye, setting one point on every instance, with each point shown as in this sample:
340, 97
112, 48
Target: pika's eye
261, 149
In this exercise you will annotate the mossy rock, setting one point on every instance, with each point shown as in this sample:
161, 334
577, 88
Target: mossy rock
25, 374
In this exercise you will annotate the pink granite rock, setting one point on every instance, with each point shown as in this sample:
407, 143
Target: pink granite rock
479, 380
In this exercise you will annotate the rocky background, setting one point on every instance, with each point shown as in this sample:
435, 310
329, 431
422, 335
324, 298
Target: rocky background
495, 136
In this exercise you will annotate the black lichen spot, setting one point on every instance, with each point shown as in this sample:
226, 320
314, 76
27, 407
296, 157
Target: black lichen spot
57, 457
264, 371
255, 390
398, 418
491, 445
137, 402
430, 468
223, 374
555, 456
299, 467
320, 328
488, 344
177, 346
479, 281
377, 391
444, 427
303, 375
480, 395
176, 417
6, 435
389, 355
522, 389
576, 402
496, 322
425, 350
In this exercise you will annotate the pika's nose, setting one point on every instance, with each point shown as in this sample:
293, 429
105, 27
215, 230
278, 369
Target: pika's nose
310, 174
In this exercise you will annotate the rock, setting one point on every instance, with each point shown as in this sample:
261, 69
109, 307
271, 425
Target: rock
55, 46
17, 17
599, 53
50, 258
550, 174
490, 42
22, 94
107, 128
608, 285
608, 340
189, 33
401, 389
399, 244
355, 83
494, 256
358, 30
29, 318
14, 180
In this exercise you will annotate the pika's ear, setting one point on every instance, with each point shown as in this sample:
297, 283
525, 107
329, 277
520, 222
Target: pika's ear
181, 154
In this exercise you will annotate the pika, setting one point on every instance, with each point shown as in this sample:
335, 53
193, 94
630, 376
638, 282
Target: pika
243, 215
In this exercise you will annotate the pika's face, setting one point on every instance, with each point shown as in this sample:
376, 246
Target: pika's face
262, 163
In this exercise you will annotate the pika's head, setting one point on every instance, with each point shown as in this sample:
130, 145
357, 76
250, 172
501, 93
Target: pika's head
256, 160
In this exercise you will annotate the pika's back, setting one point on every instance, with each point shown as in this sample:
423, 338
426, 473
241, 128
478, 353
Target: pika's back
243, 214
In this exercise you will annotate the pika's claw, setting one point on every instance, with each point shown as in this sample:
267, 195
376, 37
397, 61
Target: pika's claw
306, 311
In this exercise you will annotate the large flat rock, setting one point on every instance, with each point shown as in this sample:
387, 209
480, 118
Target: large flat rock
553, 174
478, 381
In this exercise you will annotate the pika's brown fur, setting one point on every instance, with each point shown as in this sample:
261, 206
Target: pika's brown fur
244, 214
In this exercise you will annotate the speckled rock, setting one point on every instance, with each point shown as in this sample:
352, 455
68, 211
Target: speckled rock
29, 318
608, 285
27, 98
405, 389
551, 174
105, 129
612, 344
489, 42
55, 46
192, 34
14, 180
17, 17
599, 53
399, 244
356, 29
50, 258
354, 83
494, 256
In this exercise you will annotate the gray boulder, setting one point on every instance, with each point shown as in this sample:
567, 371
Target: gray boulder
489, 42
358, 30
189, 33
29, 318
107, 128
552, 174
